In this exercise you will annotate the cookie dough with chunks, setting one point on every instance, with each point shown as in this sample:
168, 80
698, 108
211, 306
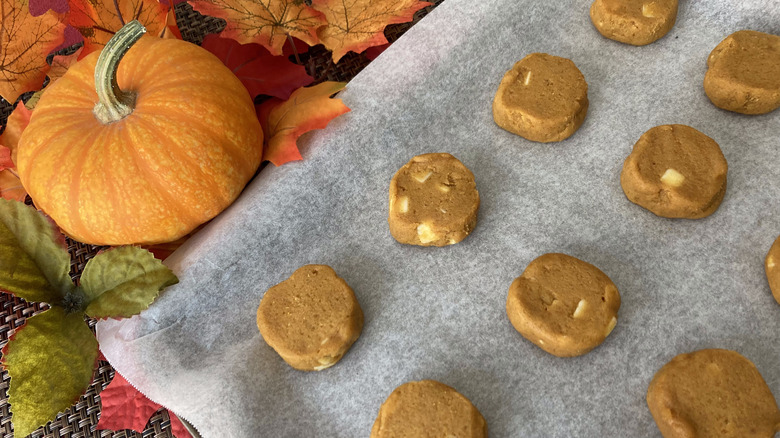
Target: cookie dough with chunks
635, 22
542, 98
433, 201
427, 409
712, 393
311, 319
743, 73
565, 306
772, 266
675, 171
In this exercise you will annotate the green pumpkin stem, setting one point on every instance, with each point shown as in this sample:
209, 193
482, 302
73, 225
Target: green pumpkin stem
114, 103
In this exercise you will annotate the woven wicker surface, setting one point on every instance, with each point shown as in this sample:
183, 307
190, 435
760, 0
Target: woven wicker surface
82, 418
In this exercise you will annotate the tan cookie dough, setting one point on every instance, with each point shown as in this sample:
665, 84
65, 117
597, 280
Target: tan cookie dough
712, 393
433, 201
744, 73
772, 266
675, 171
565, 306
542, 98
311, 319
428, 409
636, 22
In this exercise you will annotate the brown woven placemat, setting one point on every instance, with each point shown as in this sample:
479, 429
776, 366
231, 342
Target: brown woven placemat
82, 418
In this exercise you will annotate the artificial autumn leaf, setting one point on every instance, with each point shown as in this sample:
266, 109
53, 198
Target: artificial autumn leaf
171, 29
51, 358
123, 407
306, 110
15, 125
258, 70
121, 282
24, 43
99, 20
33, 258
54, 350
11, 187
357, 25
61, 63
5, 158
266, 22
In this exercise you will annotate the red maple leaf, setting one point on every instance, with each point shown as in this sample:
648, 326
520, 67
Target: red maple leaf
258, 70
123, 407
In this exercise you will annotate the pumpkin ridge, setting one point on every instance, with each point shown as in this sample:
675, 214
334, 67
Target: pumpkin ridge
154, 178
40, 145
77, 171
160, 183
246, 168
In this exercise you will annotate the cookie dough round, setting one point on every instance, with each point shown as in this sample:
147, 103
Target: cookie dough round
565, 306
712, 393
433, 201
743, 73
311, 319
635, 22
675, 171
772, 266
542, 98
427, 409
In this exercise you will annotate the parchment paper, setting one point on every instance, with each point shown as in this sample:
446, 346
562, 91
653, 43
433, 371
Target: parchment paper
438, 313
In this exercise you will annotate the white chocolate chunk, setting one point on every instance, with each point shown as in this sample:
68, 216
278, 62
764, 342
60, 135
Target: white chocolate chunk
611, 326
422, 177
326, 362
649, 10
770, 262
672, 178
444, 188
527, 79
403, 204
580, 310
425, 233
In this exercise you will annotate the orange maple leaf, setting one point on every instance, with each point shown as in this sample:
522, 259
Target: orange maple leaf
266, 22
24, 43
355, 25
306, 109
98, 20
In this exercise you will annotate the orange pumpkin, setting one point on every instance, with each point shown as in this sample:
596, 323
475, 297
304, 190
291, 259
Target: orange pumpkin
141, 151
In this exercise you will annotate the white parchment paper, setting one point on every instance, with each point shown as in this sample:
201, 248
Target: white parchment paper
438, 313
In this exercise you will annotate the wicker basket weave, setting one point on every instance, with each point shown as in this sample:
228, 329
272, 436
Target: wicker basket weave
82, 418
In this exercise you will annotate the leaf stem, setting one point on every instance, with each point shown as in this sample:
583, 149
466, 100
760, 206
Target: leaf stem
115, 104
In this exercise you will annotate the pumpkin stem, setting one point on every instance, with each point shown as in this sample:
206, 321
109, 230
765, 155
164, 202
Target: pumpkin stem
114, 103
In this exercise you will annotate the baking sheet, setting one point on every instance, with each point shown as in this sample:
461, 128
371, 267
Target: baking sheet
438, 313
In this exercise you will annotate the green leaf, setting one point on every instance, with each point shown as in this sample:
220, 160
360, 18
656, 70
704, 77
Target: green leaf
122, 282
33, 259
51, 361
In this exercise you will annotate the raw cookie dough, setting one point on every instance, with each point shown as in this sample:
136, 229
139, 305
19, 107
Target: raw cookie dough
565, 306
542, 98
744, 73
636, 22
772, 266
675, 171
311, 319
427, 409
712, 393
433, 201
